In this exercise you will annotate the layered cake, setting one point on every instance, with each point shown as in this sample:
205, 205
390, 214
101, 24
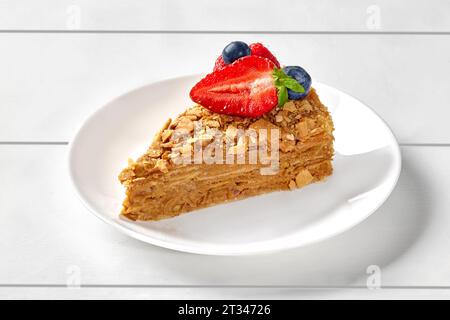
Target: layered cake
255, 128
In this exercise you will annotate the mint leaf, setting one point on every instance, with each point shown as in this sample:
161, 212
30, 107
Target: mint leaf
278, 73
284, 82
282, 96
292, 84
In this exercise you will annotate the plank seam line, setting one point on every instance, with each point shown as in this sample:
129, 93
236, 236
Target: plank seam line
424, 144
219, 286
66, 143
281, 32
34, 143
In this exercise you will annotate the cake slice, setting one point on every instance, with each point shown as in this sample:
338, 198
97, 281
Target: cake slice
256, 128
159, 186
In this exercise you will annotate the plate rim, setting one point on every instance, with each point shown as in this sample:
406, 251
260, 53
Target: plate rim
202, 250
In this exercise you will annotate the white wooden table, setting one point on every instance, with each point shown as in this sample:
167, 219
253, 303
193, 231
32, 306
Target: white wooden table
61, 60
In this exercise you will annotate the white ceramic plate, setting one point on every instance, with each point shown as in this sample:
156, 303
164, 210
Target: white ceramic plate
366, 168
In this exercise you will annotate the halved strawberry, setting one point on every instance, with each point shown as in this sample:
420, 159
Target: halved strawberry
244, 88
258, 49
219, 63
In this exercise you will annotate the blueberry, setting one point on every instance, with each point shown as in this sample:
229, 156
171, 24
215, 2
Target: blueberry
302, 77
234, 51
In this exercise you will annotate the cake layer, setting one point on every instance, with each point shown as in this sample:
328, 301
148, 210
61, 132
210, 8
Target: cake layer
163, 184
171, 199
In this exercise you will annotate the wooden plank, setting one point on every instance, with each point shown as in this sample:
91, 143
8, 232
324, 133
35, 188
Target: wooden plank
232, 15
51, 83
220, 293
47, 237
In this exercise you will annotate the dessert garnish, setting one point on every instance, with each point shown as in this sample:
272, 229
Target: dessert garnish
302, 77
234, 51
247, 81
239, 49
258, 49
